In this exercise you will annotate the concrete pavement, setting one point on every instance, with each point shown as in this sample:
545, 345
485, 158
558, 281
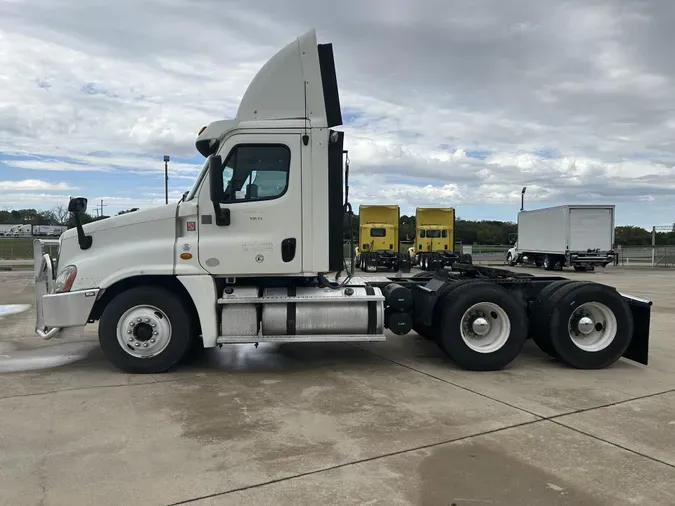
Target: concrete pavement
381, 423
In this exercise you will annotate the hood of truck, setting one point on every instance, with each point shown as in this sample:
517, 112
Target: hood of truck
140, 242
126, 220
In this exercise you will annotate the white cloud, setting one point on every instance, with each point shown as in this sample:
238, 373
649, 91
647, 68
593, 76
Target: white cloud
33, 185
120, 163
112, 204
111, 87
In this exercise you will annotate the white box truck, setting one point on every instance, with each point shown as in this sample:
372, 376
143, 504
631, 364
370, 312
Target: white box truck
580, 236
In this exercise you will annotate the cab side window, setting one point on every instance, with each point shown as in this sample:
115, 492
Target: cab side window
256, 172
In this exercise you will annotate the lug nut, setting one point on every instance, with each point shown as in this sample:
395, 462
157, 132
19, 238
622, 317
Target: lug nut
147, 320
154, 324
131, 339
128, 331
137, 344
145, 345
139, 319
154, 333
152, 341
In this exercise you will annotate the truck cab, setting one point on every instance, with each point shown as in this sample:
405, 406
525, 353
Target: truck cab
379, 238
435, 238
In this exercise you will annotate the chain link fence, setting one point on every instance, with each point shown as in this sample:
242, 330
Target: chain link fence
654, 256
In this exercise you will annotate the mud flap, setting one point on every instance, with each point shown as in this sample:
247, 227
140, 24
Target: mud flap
404, 263
638, 349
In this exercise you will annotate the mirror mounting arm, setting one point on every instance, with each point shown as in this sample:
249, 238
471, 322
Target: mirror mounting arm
222, 215
76, 206
85, 241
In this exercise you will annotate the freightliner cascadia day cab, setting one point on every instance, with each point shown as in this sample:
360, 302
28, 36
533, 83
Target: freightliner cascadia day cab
435, 238
246, 257
579, 236
379, 240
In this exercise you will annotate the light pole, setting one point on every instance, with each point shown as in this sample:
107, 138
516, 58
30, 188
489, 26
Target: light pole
166, 178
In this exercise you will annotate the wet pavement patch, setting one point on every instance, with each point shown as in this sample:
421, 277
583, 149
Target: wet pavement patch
8, 309
45, 357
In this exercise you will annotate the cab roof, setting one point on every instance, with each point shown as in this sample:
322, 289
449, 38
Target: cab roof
298, 83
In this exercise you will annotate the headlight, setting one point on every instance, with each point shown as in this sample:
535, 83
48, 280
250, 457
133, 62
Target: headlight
64, 281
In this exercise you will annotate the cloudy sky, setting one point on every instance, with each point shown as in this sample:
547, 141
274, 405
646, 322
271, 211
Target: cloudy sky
446, 103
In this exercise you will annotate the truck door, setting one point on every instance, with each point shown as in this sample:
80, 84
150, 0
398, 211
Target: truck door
262, 185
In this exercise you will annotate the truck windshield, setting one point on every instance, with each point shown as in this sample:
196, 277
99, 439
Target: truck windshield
198, 181
433, 233
378, 232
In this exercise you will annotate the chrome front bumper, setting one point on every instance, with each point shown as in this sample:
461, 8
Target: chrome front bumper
55, 311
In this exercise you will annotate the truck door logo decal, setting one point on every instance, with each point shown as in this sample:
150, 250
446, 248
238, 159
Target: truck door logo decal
191, 226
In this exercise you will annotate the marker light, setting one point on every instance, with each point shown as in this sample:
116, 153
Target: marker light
201, 130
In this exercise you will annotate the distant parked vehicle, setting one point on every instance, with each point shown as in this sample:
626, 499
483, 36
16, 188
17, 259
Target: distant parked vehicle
580, 236
48, 230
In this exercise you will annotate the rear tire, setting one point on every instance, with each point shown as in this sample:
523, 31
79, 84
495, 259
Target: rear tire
152, 345
599, 341
475, 307
540, 316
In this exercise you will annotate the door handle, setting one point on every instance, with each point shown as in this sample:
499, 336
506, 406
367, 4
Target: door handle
288, 249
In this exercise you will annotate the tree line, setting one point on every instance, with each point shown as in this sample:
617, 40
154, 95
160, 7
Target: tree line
466, 231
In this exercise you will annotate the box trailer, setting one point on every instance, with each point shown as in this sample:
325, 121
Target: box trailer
580, 236
48, 230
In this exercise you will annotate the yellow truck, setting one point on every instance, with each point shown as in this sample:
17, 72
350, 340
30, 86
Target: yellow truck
378, 239
435, 238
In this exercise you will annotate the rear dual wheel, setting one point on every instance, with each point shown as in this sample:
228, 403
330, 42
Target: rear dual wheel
480, 326
586, 325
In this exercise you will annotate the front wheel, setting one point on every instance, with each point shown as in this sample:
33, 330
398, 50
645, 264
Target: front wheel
145, 330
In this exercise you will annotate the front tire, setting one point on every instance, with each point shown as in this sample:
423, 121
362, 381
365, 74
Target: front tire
482, 327
145, 330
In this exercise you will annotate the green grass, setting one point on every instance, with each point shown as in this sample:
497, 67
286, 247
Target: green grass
16, 248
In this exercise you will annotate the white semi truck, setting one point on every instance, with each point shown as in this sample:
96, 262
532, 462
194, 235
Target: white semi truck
245, 257
579, 236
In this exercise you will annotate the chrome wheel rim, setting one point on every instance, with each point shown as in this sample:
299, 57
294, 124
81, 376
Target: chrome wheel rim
592, 327
485, 327
143, 331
